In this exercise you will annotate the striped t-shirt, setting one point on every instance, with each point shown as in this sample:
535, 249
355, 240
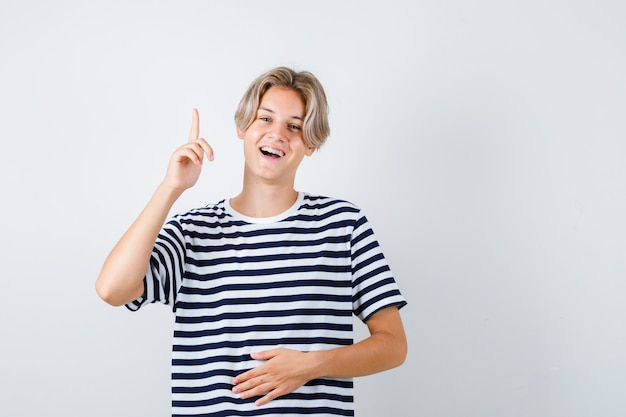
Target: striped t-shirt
239, 285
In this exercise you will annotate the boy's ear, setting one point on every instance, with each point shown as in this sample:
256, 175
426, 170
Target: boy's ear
240, 133
310, 150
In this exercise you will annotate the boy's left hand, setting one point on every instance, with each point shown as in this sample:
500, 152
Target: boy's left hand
284, 371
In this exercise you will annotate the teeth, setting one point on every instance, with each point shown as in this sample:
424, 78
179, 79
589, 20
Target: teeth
273, 151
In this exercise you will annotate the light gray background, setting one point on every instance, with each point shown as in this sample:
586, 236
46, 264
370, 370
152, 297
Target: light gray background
485, 140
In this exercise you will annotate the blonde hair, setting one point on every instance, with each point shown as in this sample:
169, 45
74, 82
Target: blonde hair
315, 127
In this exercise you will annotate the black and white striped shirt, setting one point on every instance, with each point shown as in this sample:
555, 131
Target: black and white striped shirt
239, 285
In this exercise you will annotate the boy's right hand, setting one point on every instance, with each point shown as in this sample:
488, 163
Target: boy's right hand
186, 162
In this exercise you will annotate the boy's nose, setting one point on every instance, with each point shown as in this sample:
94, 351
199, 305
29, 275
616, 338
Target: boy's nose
279, 132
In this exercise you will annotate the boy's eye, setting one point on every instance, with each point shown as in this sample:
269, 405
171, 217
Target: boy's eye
264, 118
294, 127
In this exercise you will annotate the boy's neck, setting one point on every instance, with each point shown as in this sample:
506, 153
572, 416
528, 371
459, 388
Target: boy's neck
264, 201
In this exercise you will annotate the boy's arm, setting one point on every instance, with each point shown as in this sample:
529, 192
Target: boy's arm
285, 370
121, 278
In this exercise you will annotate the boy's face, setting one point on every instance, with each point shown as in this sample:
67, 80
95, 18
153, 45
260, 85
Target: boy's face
273, 144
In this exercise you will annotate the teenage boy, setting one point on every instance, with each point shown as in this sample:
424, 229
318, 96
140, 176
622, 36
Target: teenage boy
263, 285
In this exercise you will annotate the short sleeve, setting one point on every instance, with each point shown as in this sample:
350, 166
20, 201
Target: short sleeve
164, 274
373, 284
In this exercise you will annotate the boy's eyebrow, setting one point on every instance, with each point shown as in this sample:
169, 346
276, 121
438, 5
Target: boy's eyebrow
272, 111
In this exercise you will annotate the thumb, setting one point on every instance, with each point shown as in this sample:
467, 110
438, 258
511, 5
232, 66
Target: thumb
264, 355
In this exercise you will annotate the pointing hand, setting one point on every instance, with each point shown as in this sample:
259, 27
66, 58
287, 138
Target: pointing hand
186, 161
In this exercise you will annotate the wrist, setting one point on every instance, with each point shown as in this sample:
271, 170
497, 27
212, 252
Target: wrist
319, 364
169, 192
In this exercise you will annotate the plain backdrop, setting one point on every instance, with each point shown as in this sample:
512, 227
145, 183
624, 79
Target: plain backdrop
485, 140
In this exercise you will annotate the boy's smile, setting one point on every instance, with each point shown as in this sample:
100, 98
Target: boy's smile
273, 144
271, 152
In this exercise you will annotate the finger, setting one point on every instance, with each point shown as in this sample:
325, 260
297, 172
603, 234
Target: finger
192, 152
247, 376
208, 150
194, 133
264, 355
244, 389
201, 147
255, 388
267, 398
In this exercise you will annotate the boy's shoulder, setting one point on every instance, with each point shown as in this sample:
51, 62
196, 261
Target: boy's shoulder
328, 208
321, 202
216, 211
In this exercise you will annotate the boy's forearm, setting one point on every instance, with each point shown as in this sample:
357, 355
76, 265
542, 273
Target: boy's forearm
375, 354
121, 278
384, 349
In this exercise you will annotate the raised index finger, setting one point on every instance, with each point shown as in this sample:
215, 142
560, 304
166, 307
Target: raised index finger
194, 133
